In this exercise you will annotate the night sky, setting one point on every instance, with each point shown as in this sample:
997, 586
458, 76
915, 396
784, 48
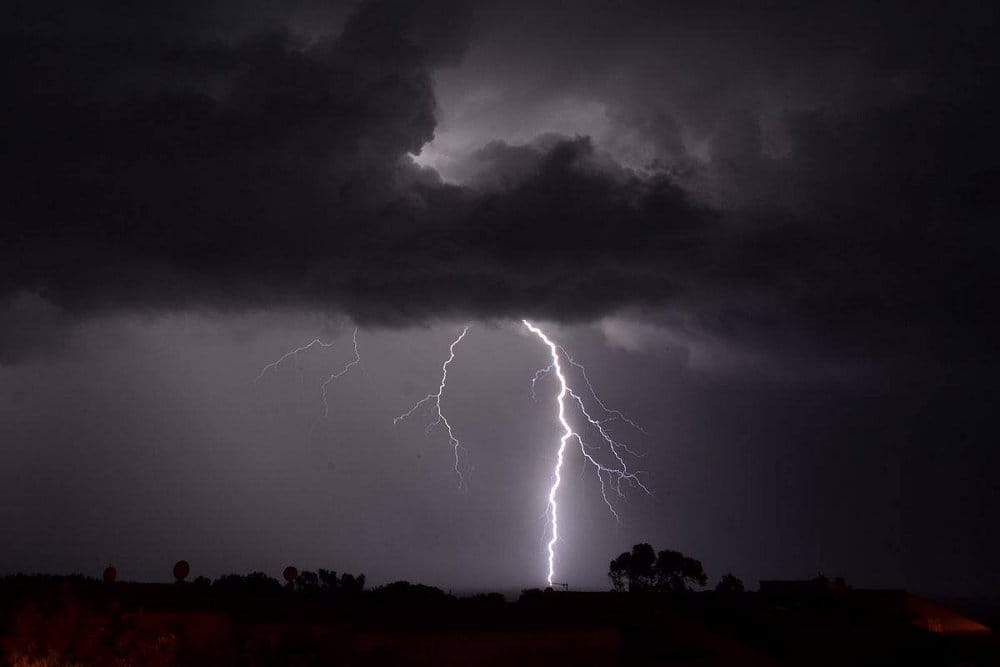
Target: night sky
767, 229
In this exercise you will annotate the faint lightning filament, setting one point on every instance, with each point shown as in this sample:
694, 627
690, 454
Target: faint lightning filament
436, 399
326, 383
275, 364
618, 414
333, 376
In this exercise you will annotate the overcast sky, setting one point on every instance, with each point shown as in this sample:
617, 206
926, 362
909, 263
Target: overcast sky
768, 232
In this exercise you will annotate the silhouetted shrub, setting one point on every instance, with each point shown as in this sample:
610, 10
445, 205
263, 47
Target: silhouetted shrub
405, 593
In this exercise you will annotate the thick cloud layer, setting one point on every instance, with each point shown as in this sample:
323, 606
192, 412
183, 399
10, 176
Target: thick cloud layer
841, 197
781, 216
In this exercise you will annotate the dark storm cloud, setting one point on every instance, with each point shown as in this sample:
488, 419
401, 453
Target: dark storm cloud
174, 161
751, 199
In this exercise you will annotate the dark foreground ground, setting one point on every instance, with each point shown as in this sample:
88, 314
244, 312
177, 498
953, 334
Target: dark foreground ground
59, 622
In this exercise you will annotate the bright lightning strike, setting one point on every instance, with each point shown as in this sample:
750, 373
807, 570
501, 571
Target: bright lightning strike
567, 434
435, 399
615, 474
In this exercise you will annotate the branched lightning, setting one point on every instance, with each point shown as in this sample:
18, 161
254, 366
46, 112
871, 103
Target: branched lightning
326, 383
617, 414
539, 374
435, 400
615, 474
615, 452
287, 355
618, 474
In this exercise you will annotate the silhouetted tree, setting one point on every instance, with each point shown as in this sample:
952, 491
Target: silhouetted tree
350, 585
675, 572
618, 572
307, 582
181, 570
328, 581
729, 583
634, 569
642, 569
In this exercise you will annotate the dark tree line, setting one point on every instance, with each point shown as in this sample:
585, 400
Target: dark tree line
322, 583
644, 569
326, 582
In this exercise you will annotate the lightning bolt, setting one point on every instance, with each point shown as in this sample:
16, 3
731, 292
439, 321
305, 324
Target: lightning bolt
435, 399
560, 454
615, 474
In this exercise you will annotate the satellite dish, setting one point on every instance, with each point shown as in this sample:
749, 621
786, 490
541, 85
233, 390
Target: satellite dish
181, 570
110, 574
291, 573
